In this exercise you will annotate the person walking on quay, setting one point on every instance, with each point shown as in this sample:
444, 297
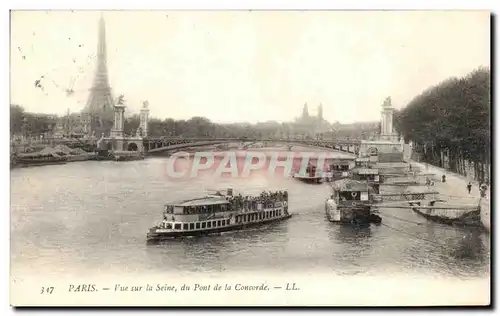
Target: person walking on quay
482, 190
443, 178
469, 187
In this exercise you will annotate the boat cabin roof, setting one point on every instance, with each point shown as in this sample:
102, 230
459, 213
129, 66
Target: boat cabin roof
349, 185
208, 200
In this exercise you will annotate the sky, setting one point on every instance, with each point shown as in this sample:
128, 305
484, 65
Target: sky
244, 66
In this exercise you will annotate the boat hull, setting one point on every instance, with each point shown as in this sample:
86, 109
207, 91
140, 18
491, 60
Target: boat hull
159, 236
26, 164
312, 180
72, 158
128, 158
353, 216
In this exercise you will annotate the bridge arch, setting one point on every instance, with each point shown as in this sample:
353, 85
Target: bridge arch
132, 147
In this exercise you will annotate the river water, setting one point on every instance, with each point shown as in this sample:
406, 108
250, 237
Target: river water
92, 217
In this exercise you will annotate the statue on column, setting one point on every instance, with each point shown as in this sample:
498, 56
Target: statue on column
387, 102
138, 133
100, 141
120, 100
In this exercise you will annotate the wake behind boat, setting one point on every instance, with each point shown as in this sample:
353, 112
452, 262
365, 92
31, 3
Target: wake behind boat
218, 213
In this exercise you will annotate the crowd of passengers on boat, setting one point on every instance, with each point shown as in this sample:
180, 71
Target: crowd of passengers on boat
238, 202
266, 199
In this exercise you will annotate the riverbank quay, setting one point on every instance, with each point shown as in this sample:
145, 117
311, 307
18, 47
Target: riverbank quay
455, 189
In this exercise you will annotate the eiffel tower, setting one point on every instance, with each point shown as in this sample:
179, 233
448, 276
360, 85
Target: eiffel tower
99, 110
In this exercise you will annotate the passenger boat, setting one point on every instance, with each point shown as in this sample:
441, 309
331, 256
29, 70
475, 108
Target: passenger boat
218, 213
351, 203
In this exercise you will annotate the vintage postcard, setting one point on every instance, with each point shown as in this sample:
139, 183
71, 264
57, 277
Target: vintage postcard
250, 158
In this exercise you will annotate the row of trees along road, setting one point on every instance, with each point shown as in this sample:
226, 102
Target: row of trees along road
449, 125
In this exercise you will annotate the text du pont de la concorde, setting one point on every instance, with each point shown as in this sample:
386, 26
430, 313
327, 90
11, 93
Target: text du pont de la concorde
202, 287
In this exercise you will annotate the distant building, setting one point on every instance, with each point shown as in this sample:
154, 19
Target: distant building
310, 126
358, 130
39, 124
72, 125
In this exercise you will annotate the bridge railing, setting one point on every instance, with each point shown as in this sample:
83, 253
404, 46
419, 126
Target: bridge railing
251, 139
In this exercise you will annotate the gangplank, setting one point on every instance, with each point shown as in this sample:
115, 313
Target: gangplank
404, 197
408, 174
407, 183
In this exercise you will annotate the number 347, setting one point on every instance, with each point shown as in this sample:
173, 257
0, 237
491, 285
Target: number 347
47, 290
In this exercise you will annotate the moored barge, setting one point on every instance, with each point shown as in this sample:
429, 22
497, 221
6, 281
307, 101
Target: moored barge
218, 213
351, 202
36, 159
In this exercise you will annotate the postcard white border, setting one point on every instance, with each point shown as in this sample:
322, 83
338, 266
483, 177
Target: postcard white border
186, 4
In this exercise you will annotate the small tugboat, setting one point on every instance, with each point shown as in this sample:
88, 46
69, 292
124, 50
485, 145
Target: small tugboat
351, 203
218, 213
310, 175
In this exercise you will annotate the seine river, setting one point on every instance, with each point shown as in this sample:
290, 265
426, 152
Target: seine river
92, 217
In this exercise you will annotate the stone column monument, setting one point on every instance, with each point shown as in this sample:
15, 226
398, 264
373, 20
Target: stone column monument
118, 127
386, 130
144, 119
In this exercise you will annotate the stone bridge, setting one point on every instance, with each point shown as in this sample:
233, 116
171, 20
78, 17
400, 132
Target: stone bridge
158, 145
163, 144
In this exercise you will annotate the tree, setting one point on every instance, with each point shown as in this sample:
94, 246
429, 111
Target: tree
16, 118
451, 121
